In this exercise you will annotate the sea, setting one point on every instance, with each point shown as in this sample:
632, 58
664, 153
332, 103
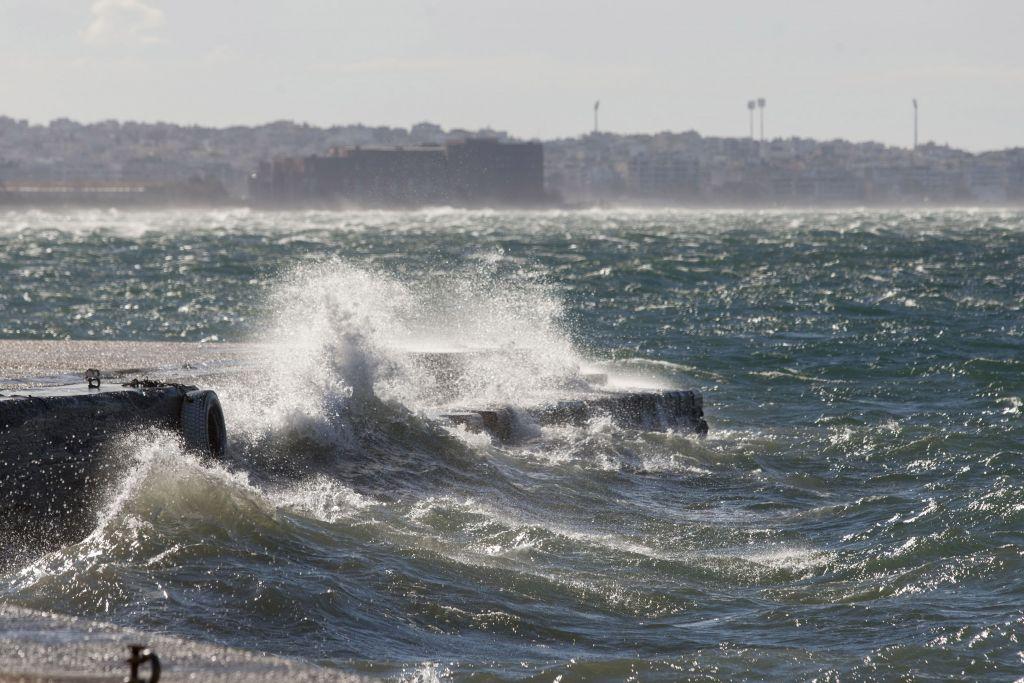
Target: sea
856, 511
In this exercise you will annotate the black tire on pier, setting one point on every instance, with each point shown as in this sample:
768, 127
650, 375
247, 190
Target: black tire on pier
202, 423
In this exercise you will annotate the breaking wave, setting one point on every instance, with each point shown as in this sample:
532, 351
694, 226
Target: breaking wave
854, 512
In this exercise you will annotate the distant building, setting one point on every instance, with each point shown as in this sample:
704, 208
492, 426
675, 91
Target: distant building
663, 177
469, 172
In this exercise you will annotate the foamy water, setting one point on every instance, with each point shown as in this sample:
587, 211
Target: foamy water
856, 510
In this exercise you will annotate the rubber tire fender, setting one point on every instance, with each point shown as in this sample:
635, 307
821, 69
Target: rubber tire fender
202, 423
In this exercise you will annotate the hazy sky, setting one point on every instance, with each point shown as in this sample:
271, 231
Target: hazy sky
532, 67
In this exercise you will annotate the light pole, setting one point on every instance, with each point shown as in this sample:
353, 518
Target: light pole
750, 106
597, 105
760, 105
915, 123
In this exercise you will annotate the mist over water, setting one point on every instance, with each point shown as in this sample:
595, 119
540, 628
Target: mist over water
857, 507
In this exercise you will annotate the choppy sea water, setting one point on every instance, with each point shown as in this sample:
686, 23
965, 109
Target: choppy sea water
856, 512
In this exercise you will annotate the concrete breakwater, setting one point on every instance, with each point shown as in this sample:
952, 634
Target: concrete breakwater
55, 465
656, 410
33, 363
56, 459
652, 410
54, 437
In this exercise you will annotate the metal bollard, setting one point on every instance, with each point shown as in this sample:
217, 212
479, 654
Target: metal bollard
140, 655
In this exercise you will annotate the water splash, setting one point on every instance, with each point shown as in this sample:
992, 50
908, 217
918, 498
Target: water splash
855, 511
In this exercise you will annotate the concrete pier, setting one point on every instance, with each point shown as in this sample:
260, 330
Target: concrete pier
55, 455
35, 363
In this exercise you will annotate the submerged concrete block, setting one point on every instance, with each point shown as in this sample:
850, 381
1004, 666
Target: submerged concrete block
649, 410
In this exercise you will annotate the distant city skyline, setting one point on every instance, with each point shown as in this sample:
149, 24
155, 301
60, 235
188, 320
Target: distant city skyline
827, 70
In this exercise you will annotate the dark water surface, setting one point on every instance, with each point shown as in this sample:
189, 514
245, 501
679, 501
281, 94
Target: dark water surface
858, 507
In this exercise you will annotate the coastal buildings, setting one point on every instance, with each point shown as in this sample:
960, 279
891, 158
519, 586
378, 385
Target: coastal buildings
467, 172
127, 163
688, 169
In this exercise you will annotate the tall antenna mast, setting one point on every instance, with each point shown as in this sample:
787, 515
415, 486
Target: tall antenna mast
750, 106
915, 123
597, 105
760, 105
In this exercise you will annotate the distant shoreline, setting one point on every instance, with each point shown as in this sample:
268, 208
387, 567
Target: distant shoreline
610, 206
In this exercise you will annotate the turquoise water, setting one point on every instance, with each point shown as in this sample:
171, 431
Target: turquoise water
857, 510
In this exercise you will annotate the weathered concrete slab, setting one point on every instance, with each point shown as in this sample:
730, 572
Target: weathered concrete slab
31, 363
650, 410
39, 646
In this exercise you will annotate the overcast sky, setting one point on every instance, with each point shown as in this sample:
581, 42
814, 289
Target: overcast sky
532, 67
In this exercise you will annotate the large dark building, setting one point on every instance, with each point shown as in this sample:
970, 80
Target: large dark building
471, 172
